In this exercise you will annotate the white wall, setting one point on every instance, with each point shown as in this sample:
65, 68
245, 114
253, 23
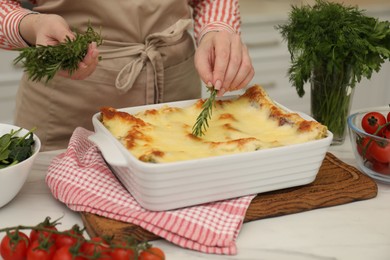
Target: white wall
9, 81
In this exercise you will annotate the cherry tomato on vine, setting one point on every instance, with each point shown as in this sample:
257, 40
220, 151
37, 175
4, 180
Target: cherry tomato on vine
66, 253
35, 234
14, 246
386, 133
97, 245
153, 253
380, 152
364, 148
118, 253
41, 250
383, 168
388, 117
372, 121
65, 239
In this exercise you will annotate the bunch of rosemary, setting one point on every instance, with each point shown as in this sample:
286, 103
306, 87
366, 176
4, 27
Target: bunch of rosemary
201, 123
43, 62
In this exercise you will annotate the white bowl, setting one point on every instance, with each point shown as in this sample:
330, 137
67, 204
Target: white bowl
179, 184
13, 177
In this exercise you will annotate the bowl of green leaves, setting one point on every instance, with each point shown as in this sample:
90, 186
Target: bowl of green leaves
19, 148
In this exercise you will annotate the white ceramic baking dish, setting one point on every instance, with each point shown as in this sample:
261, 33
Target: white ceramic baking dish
179, 184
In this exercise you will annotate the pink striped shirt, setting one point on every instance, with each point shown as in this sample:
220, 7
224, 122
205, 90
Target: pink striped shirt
209, 15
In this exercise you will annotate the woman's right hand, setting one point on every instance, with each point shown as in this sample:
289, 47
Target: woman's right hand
51, 29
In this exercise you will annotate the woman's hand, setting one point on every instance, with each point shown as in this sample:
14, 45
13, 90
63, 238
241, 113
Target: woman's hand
222, 60
50, 29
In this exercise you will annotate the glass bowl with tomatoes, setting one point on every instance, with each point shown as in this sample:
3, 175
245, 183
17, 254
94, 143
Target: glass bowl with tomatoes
369, 132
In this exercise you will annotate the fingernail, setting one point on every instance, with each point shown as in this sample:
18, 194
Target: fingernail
218, 84
209, 84
221, 92
94, 54
83, 65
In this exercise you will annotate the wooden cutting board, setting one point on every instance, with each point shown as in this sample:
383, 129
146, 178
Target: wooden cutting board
336, 183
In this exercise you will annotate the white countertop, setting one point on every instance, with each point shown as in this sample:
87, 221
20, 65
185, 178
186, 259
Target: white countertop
358, 230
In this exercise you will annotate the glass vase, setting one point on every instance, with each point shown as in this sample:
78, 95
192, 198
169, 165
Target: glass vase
331, 99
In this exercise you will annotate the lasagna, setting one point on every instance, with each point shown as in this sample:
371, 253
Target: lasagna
250, 122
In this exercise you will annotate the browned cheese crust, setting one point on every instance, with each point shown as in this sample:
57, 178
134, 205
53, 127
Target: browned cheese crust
247, 123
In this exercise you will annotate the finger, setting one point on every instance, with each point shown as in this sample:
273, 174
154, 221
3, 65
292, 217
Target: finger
245, 73
221, 92
246, 80
85, 67
204, 64
82, 72
53, 39
222, 56
66, 34
60, 35
234, 64
92, 54
63, 73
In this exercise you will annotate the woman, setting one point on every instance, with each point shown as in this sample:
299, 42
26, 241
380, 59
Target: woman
148, 56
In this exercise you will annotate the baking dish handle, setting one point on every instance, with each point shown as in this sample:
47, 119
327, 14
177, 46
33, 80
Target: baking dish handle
110, 151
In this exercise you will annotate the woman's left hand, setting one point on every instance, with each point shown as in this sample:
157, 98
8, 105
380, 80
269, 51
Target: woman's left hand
222, 60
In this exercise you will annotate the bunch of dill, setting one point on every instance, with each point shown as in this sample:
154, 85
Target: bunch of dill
333, 36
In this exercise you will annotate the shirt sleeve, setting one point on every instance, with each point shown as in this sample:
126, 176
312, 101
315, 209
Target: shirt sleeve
215, 15
11, 13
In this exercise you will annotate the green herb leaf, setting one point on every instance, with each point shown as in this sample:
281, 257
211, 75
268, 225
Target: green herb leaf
15, 149
43, 62
201, 123
332, 36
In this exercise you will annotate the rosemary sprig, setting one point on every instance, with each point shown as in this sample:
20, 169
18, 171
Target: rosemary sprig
43, 62
201, 123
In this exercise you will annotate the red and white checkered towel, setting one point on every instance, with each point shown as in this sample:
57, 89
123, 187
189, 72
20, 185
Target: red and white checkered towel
80, 178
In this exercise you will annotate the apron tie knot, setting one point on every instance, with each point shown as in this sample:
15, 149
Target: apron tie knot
129, 73
146, 55
143, 57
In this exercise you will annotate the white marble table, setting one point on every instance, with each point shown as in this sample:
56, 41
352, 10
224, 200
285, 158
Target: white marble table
358, 230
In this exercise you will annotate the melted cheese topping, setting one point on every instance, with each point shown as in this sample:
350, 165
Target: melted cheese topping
248, 123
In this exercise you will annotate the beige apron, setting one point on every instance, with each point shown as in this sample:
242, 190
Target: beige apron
147, 58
